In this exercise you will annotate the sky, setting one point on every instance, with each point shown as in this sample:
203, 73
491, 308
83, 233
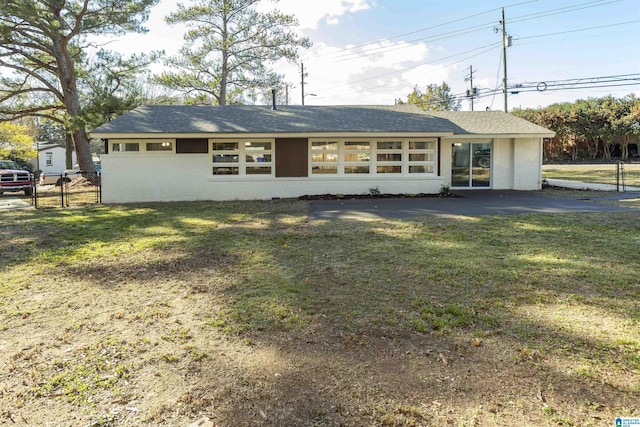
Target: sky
377, 51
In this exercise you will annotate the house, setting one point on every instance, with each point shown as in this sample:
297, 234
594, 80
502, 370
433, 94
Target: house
182, 153
51, 158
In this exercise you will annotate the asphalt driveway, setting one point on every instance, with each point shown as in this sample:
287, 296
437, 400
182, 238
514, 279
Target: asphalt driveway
468, 203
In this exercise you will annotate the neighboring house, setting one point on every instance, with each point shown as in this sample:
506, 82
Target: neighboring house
51, 158
181, 153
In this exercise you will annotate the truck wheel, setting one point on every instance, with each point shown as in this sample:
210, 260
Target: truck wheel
484, 162
28, 192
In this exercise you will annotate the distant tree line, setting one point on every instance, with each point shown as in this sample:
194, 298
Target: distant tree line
590, 129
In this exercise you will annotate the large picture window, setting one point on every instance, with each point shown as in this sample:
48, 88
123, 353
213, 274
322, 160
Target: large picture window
372, 157
243, 158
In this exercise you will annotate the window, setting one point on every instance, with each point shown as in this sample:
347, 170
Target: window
258, 158
324, 157
357, 157
421, 156
389, 157
242, 158
160, 146
49, 158
125, 146
384, 156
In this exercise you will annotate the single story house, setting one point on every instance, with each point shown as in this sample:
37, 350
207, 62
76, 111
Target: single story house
183, 153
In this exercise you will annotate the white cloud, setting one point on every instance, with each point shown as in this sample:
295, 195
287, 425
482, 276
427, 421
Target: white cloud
378, 73
311, 13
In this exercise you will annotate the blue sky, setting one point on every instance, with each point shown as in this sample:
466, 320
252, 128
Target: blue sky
375, 51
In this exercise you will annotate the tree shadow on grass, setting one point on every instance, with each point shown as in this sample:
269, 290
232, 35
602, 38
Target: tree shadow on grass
373, 321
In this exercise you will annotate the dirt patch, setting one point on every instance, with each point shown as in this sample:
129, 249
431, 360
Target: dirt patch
166, 315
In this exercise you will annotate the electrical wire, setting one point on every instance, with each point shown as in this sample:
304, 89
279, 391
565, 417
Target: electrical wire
562, 10
467, 30
497, 82
490, 46
620, 80
350, 54
436, 69
424, 29
578, 30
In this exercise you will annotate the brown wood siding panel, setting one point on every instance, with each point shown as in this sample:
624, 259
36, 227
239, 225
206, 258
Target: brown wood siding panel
292, 157
192, 145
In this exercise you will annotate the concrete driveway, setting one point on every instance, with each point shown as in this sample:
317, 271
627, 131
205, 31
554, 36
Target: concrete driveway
469, 203
10, 203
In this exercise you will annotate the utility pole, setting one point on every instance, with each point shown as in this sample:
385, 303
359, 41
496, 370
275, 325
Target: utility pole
471, 93
286, 94
506, 42
302, 85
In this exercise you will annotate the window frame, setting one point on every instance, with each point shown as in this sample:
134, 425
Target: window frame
142, 146
242, 153
405, 151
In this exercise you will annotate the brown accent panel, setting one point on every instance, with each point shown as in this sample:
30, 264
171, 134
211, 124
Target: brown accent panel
192, 145
292, 157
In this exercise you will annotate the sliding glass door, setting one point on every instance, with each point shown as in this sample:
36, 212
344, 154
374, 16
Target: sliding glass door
471, 165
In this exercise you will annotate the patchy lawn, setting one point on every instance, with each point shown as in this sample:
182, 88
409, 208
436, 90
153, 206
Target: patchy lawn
248, 313
597, 174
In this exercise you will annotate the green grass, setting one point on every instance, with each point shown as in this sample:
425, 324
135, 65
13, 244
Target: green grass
597, 174
560, 291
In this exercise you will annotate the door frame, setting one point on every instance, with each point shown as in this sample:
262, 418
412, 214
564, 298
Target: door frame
469, 185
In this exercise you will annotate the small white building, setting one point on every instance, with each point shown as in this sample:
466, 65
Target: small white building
184, 153
51, 158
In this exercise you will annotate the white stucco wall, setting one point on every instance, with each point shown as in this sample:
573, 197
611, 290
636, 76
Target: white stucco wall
150, 177
527, 161
188, 177
502, 165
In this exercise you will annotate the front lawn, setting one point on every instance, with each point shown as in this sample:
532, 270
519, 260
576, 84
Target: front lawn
249, 313
596, 174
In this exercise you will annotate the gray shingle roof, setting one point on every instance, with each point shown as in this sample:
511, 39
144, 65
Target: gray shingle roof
180, 119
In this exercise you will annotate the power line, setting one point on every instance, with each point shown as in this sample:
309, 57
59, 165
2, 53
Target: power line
426, 28
620, 80
454, 33
350, 53
582, 87
490, 46
542, 35
562, 10
493, 46
578, 30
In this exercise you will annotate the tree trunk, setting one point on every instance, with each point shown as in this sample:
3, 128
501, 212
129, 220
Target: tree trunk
624, 147
67, 75
607, 149
68, 152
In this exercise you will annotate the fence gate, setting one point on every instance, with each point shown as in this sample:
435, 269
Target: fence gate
68, 190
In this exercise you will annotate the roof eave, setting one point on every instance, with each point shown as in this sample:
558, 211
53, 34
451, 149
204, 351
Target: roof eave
155, 135
502, 135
